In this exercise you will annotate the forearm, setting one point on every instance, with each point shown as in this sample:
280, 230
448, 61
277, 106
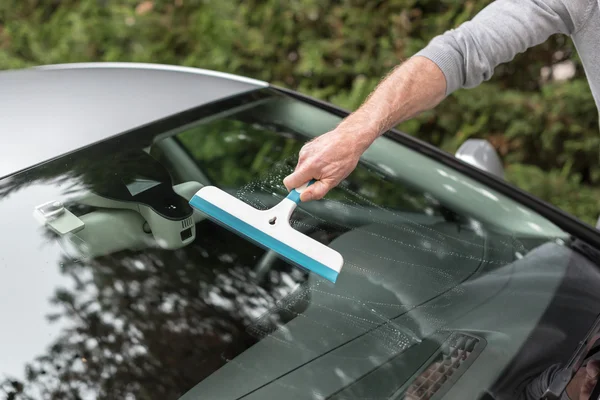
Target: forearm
463, 57
413, 87
537, 387
460, 58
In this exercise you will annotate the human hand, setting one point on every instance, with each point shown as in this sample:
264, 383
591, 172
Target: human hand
328, 159
582, 385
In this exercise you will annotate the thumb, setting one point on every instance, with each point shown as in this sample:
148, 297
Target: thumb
315, 191
298, 178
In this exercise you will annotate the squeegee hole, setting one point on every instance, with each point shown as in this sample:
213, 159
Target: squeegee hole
273, 220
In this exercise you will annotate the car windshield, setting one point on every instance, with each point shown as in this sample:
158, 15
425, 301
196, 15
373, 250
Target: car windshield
113, 288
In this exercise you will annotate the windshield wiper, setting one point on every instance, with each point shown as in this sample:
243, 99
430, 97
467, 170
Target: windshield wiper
562, 378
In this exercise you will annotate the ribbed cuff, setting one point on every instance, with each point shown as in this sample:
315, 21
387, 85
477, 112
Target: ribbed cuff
447, 59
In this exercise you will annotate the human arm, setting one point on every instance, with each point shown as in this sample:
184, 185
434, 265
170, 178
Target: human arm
411, 88
469, 54
460, 58
579, 388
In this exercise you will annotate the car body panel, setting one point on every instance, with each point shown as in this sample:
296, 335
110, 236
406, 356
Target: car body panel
50, 111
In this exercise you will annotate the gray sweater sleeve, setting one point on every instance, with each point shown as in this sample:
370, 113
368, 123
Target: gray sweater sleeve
536, 388
469, 54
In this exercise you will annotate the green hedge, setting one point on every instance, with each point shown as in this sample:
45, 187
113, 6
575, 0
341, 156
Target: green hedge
337, 50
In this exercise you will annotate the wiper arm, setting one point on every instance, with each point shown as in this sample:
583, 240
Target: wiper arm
562, 378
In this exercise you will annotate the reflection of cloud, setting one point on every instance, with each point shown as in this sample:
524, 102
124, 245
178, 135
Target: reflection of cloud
476, 227
535, 226
442, 172
524, 211
219, 301
388, 170
488, 194
478, 189
449, 188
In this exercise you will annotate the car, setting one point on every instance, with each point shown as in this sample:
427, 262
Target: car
455, 284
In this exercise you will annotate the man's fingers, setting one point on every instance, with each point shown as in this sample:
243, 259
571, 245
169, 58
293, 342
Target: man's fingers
593, 368
297, 178
592, 372
315, 191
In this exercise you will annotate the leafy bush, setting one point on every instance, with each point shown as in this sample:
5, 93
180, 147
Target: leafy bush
337, 51
562, 190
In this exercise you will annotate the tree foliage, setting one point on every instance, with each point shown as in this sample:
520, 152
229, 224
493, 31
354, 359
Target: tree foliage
336, 50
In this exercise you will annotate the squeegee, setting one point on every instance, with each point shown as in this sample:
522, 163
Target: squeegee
270, 229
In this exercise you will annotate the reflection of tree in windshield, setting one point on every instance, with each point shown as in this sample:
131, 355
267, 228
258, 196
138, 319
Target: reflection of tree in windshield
153, 324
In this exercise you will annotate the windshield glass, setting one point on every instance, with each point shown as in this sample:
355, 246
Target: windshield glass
124, 292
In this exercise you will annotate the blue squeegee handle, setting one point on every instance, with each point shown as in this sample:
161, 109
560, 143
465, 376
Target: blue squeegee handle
294, 195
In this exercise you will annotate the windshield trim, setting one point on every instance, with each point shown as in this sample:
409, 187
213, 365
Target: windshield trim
560, 218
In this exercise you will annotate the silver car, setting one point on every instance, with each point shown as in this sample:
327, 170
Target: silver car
456, 285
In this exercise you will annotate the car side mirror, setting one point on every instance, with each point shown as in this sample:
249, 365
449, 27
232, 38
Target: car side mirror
481, 154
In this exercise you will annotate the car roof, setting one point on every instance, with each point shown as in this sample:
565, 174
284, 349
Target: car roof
51, 110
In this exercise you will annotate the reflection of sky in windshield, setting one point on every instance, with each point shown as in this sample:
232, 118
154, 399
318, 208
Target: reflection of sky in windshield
29, 275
